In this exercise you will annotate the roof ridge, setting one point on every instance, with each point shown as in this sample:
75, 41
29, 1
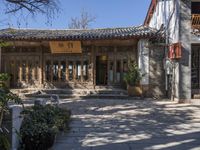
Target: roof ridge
92, 29
79, 34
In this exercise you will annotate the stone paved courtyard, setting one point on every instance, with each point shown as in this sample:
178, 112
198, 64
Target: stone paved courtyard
131, 125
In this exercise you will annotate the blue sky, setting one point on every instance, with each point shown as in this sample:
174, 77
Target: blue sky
109, 13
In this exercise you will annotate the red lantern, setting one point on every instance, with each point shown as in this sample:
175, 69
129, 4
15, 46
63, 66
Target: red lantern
175, 51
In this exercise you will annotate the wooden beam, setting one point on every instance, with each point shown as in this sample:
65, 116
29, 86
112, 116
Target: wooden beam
130, 42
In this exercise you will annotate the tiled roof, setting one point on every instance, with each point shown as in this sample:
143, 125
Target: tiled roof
77, 34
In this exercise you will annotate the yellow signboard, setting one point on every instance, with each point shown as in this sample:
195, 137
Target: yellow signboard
60, 47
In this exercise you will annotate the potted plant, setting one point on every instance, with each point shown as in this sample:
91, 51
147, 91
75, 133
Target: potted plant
5, 80
132, 79
40, 126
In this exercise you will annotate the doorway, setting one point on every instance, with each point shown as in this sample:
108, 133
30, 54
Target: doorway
101, 70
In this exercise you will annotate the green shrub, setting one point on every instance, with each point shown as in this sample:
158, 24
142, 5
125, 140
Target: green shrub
133, 76
4, 142
5, 97
40, 125
4, 76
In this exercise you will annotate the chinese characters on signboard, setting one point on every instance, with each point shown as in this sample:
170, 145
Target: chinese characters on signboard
60, 47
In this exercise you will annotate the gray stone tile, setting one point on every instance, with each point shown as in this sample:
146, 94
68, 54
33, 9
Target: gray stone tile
131, 125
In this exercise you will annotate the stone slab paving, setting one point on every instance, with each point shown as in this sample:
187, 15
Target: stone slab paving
131, 125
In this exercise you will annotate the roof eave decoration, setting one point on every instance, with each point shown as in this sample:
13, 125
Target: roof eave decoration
150, 12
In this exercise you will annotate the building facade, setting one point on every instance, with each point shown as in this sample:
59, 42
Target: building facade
81, 58
180, 20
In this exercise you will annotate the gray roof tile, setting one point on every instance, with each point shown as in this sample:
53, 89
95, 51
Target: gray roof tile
77, 34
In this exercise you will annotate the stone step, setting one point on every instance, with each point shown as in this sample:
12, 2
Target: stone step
81, 91
90, 96
196, 96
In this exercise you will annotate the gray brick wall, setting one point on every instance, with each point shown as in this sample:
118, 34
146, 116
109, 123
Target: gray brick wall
156, 72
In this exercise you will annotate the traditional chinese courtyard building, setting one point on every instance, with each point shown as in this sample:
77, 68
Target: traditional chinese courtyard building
86, 58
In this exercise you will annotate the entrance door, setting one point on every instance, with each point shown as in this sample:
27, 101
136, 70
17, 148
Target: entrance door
101, 70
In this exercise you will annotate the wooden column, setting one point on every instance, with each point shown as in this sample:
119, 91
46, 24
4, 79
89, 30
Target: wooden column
115, 65
121, 70
34, 67
74, 71
59, 71
67, 71
20, 70
94, 67
108, 71
27, 70
51, 73
14, 71
81, 67
42, 68
41, 71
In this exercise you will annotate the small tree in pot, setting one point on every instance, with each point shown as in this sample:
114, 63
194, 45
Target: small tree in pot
132, 79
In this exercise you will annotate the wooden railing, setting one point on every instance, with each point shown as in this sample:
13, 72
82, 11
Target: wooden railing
196, 21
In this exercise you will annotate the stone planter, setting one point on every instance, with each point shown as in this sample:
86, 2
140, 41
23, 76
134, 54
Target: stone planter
134, 90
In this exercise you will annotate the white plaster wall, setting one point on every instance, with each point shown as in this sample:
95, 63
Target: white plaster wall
143, 60
167, 12
161, 16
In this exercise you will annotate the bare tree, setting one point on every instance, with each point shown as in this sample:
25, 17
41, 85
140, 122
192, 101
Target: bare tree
31, 7
82, 22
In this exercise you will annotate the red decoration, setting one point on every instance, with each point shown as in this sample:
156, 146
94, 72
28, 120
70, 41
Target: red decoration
175, 51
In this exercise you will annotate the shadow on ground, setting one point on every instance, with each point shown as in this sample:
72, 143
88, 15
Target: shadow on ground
129, 124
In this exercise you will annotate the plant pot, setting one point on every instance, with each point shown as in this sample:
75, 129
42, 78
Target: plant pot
134, 90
